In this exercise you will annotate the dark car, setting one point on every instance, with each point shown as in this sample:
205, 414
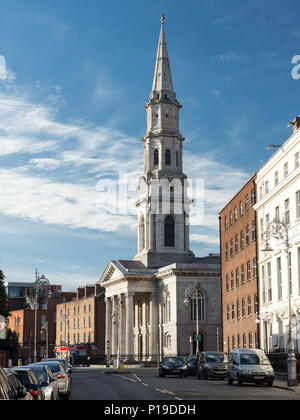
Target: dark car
212, 365
30, 381
171, 366
5, 393
190, 366
17, 390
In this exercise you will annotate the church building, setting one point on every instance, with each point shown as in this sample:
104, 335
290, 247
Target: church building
165, 301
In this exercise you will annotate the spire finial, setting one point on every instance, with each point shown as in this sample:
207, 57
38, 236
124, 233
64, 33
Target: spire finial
162, 19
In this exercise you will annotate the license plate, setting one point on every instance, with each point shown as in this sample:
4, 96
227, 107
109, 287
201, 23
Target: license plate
258, 377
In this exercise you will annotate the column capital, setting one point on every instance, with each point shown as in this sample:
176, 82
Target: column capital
130, 294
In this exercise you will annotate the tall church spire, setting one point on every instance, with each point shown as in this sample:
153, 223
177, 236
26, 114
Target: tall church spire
162, 82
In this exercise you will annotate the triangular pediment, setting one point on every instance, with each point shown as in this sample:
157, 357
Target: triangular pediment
113, 271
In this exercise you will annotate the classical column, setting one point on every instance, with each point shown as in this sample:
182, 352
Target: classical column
129, 326
114, 338
154, 327
122, 325
108, 322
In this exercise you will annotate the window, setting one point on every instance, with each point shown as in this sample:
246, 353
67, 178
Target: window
298, 204
250, 341
243, 274
248, 271
235, 214
253, 231
230, 218
226, 252
243, 308
232, 312
156, 157
238, 309
242, 240
226, 223
276, 178
255, 268
237, 277
286, 169
287, 211
269, 282
231, 248
168, 157
256, 304
249, 306
266, 187
238, 341
241, 208
253, 197
247, 236
279, 278
169, 231
232, 280
228, 313
261, 229
277, 213
246, 203
297, 160
261, 195
263, 285
244, 341
177, 159
201, 306
267, 220
236, 244
227, 282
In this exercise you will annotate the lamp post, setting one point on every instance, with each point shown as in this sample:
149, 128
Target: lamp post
44, 329
116, 316
280, 230
192, 293
65, 317
40, 283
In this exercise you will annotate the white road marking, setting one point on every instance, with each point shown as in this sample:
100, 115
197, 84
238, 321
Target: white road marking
137, 377
144, 384
179, 399
160, 390
124, 377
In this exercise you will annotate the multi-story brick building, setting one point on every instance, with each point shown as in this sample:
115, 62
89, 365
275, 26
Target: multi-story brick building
238, 241
81, 322
22, 321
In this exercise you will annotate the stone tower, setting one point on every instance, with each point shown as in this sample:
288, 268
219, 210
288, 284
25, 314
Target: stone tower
163, 205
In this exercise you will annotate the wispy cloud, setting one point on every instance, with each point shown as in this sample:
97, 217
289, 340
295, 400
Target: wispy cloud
230, 56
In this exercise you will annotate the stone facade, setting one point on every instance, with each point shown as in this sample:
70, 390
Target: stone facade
146, 318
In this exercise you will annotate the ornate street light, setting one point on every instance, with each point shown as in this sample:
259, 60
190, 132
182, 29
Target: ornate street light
280, 230
116, 316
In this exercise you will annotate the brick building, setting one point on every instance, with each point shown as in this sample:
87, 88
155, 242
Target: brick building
239, 256
81, 322
22, 321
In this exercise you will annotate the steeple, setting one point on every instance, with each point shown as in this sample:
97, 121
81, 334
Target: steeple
162, 82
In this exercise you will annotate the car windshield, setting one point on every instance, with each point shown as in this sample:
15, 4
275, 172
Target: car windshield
174, 361
54, 367
40, 373
254, 359
216, 358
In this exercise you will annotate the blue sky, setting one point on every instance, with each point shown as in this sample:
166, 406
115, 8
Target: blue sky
72, 115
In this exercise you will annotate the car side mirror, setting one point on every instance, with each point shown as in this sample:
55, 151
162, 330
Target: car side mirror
44, 384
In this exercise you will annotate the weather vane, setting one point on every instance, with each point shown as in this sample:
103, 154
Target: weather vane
162, 19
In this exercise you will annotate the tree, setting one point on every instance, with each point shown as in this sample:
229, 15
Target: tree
3, 298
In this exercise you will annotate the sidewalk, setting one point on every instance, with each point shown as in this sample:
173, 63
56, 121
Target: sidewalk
282, 384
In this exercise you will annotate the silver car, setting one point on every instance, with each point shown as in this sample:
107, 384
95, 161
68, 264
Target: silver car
62, 361
47, 381
250, 365
63, 379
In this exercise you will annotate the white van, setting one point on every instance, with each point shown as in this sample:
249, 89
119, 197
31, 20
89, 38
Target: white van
250, 365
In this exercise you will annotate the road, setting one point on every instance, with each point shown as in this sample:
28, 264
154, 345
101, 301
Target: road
144, 384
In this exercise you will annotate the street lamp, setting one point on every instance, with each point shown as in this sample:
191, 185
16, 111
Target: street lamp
41, 282
192, 293
45, 330
280, 230
116, 316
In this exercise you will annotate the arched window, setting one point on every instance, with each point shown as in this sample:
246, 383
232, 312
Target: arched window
167, 309
177, 159
169, 231
142, 234
168, 157
156, 157
201, 306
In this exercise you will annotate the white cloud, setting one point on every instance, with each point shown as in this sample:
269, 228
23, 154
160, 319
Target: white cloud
230, 56
205, 239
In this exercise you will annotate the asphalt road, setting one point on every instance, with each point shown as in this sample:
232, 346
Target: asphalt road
145, 385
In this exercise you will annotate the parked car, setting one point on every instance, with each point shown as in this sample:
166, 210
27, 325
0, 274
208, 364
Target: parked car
250, 365
30, 381
46, 380
190, 366
171, 366
63, 379
17, 389
5, 389
212, 365
62, 361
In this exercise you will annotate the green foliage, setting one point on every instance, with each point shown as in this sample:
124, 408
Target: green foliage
3, 298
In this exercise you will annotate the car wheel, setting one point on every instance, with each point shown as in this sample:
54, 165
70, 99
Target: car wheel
270, 384
229, 379
239, 381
